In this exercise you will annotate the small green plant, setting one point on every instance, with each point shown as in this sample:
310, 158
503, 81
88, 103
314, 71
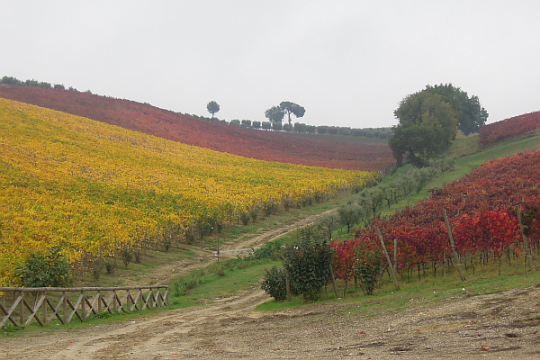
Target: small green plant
96, 271
274, 283
166, 244
127, 256
367, 269
109, 267
245, 217
137, 255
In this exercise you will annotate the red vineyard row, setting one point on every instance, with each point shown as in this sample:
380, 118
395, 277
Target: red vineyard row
481, 209
236, 140
505, 129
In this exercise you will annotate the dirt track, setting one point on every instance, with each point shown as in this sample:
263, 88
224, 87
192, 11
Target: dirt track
504, 325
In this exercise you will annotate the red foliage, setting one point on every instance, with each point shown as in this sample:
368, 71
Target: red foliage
481, 212
250, 143
517, 125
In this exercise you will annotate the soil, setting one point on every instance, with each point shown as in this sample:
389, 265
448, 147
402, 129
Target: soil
495, 326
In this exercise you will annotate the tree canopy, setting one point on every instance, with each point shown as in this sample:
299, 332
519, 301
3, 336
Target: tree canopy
275, 114
427, 124
212, 107
292, 108
470, 114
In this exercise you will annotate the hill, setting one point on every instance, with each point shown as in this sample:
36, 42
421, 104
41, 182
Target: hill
236, 140
508, 128
81, 184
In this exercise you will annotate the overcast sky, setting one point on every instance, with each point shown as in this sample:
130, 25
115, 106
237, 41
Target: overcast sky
349, 63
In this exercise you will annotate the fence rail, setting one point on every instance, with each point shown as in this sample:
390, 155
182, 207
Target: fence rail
46, 304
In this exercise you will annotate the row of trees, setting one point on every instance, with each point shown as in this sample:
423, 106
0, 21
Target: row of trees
429, 120
9, 80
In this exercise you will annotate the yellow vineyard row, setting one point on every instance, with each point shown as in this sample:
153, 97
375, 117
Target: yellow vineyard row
70, 181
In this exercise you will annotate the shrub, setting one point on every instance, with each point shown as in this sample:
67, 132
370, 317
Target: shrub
110, 268
367, 269
49, 270
274, 283
127, 256
308, 264
245, 217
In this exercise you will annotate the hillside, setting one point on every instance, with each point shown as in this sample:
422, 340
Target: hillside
509, 128
168, 125
74, 182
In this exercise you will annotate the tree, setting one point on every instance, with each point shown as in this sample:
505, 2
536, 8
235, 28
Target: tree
427, 124
470, 114
275, 114
212, 107
292, 108
348, 216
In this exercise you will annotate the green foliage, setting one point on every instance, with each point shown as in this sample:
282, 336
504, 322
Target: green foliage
109, 267
245, 217
235, 122
426, 127
127, 255
367, 269
275, 114
471, 115
327, 224
277, 126
212, 107
308, 264
349, 215
274, 283
292, 108
266, 125
246, 123
299, 127
50, 270
256, 125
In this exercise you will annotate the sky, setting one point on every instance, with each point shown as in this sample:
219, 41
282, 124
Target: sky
348, 63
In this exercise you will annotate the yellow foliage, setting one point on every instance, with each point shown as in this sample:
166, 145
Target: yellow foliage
74, 182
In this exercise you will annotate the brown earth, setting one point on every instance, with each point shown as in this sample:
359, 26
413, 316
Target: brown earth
495, 326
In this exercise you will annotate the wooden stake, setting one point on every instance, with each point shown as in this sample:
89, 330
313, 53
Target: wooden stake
456, 257
526, 249
333, 282
394, 277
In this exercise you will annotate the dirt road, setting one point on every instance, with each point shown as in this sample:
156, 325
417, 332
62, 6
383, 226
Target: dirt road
497, 326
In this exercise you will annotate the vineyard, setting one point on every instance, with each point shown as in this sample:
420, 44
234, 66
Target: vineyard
506, 129
482, 214
236, 140
77, 183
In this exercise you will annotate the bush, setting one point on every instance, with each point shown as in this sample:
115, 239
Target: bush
308, 264
367, 269
245, 217
51, 270
110, 268
274, 283
127, 256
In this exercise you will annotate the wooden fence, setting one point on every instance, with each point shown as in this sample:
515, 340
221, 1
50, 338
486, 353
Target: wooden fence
46, 304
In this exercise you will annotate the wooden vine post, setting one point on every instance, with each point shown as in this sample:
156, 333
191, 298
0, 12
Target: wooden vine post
454, 252
526, 249
333, 281
392, 269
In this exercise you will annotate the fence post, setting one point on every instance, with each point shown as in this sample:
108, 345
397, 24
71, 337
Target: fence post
65, 315
21, 309
83, 305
